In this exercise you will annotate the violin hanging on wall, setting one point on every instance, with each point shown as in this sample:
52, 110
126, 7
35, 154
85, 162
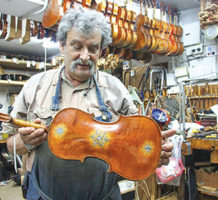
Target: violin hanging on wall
52, 15
131, 146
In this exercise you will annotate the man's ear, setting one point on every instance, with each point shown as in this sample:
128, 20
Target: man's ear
100, 53
61, 47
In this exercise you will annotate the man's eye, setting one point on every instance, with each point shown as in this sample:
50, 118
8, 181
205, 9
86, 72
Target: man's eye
93, 50
76, 48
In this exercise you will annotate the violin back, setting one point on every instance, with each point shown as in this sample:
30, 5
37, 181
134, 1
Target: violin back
131, 146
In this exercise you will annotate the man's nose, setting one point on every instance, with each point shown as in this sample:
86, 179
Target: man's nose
84, 55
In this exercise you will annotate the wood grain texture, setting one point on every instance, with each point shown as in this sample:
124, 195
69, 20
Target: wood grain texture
131, 146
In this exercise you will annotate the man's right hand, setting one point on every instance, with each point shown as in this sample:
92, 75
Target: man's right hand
33, 136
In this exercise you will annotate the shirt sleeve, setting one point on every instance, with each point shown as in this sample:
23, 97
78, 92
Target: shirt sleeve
128, 107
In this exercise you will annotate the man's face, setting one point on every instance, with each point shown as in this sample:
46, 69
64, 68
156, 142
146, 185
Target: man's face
81, 54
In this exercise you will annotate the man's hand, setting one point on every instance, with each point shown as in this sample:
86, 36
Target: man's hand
32, 136
167, 147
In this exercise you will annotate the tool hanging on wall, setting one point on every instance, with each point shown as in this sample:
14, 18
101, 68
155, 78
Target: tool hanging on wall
142, 83
157, 81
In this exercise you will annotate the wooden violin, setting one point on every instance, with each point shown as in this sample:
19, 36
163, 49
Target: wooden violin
163, 47
146, 30
131, 146
141, 40
154, 43
52, 15
171, 36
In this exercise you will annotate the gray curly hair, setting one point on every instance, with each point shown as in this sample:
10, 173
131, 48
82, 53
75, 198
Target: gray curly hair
85, 21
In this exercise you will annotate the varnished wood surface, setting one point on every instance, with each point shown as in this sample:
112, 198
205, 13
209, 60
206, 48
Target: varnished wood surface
122, 144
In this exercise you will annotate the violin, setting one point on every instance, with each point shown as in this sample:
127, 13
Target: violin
132, 29
163, 47
122, 35
146, 30
131, 146
152, 26
52, 15
171, 36
141, 38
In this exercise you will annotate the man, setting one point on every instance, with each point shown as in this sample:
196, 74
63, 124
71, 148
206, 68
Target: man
82, 34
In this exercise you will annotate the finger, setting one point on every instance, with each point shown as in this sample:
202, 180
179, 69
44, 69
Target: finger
25, 130
168, 133
38, 140
165, 154
38, 121
33, 135
167, 146
164, 161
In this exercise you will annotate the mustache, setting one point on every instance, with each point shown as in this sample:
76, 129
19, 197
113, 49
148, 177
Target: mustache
79, 61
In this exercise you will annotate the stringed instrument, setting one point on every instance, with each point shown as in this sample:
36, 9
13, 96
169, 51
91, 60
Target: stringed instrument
123, 24
111, 17
163, 47
170, 35
67, 5
165, 28
102, 6
126, 26
118, 33
53, 14
84, 3
141, 38
132, 26
146, 29
131, 146
152, 25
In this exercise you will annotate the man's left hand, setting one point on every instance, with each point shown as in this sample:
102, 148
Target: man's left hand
167, 147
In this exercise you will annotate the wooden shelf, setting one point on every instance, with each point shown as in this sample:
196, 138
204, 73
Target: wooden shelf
23, 65
11, 83
207, 192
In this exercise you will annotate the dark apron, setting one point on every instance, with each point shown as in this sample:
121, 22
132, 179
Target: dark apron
58, 179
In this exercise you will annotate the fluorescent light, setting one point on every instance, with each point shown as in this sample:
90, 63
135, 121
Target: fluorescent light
47, 43
40, 2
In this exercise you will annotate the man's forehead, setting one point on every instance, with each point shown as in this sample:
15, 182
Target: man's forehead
85, 33
79, 36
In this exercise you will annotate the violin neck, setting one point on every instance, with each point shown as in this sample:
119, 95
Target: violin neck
23, 123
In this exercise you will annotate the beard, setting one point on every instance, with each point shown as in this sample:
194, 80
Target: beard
79, 74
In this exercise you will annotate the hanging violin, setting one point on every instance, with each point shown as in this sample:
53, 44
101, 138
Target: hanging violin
131, 146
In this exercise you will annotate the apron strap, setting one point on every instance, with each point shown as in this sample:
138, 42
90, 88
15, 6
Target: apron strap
103, 108
56, 98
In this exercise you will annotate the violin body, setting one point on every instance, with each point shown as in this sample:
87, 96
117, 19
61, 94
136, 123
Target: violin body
131, 146
52, 14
